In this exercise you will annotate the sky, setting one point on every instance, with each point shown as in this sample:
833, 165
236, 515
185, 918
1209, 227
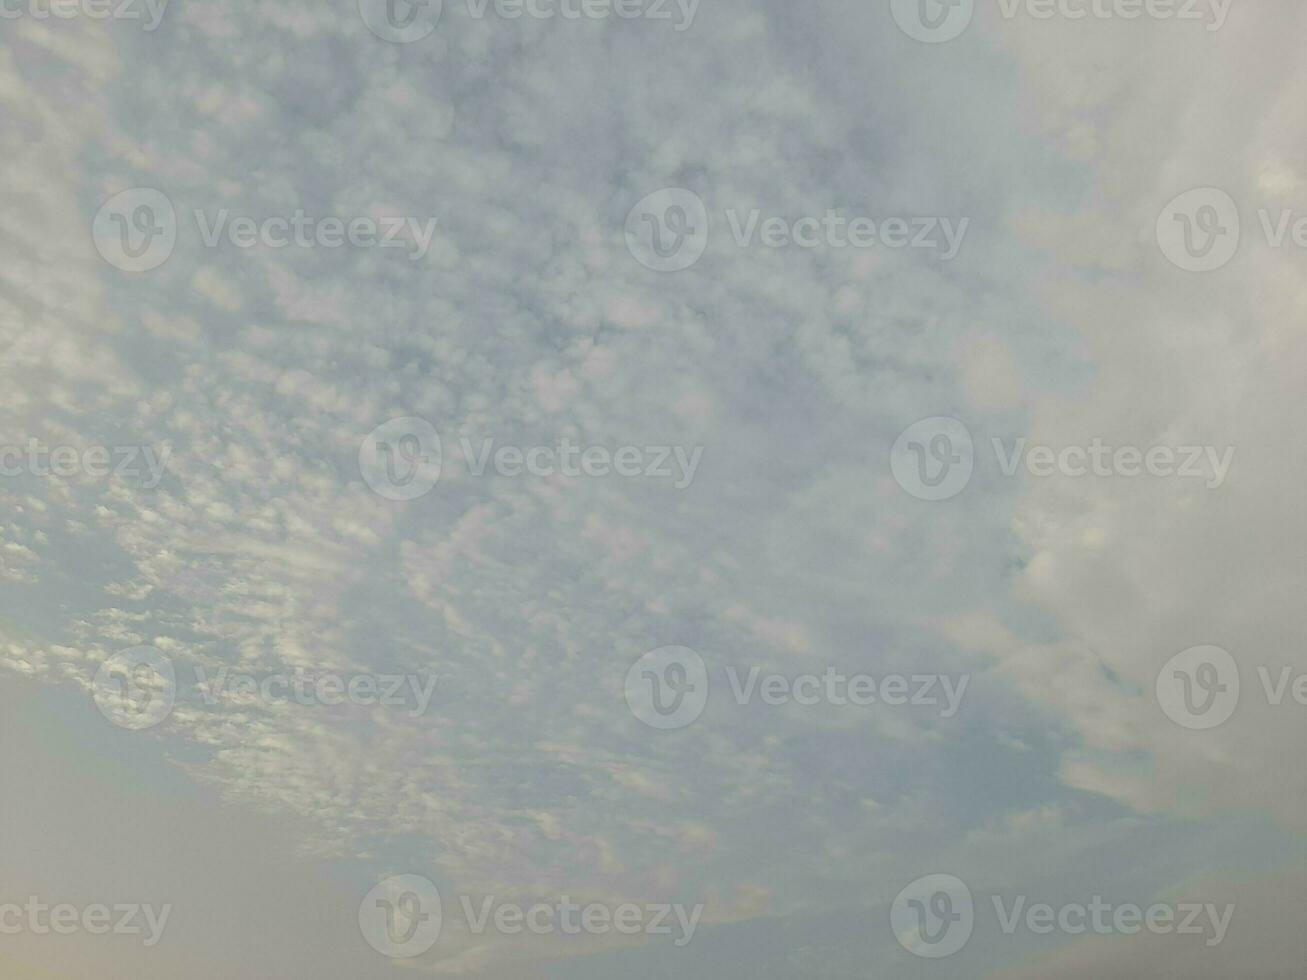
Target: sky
813, 482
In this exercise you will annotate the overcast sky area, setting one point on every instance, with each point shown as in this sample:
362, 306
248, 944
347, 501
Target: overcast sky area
732, 489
